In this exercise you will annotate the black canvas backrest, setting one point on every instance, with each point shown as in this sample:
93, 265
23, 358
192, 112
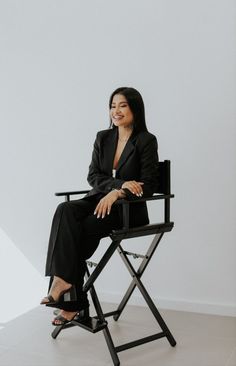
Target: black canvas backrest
164, 177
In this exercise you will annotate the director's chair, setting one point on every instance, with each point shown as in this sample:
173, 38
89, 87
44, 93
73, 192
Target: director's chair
97, 323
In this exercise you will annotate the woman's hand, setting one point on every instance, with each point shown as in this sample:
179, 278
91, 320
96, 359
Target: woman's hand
104, 206
134, 187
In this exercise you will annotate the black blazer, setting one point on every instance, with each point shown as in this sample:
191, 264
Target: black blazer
138, 161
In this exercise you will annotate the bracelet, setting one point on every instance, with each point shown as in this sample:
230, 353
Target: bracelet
120, 191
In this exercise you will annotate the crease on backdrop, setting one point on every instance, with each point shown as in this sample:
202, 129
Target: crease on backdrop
21, 283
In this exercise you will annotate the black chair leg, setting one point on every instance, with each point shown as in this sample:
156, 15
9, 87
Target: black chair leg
101, 317
111, 346
156, 313
156, 240
136, 275
102, 263
56, 331
137, 282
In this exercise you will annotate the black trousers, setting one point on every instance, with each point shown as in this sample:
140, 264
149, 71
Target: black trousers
75, 235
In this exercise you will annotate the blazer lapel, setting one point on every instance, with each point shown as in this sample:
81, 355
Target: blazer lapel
110, 145
110, 149
128, 149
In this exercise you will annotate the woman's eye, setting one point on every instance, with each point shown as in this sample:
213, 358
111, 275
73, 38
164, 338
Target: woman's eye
121, 106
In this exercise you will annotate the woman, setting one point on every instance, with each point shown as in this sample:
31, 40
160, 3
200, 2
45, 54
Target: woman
124, 164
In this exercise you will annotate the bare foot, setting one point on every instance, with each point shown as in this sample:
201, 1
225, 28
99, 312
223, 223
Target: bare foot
59, 286
64, 317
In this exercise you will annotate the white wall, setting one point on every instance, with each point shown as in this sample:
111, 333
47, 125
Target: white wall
60, 61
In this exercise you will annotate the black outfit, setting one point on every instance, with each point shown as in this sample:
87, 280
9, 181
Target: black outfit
76, 231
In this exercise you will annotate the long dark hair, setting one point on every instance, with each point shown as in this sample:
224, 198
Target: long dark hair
135, 102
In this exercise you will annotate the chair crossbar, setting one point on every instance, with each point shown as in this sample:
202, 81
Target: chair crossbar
140, 341
110, 313
156, 240
91, 264
135, 255
102, 263
141, 231
137, 282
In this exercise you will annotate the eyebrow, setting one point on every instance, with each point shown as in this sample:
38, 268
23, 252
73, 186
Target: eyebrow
120, 102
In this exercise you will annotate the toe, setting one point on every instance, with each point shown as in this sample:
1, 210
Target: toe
44, 301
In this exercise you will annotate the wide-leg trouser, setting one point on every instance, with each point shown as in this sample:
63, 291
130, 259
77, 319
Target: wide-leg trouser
75, 235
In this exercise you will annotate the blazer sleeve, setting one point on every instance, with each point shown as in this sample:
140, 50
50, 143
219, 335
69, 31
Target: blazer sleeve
96, 177
149, 173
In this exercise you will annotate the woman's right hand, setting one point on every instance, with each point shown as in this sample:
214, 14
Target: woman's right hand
134, 187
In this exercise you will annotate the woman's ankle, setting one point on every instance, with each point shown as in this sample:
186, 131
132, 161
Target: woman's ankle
61, 280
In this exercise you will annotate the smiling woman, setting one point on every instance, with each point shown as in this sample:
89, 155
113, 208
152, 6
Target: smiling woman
121, 113
122, 117
124, 163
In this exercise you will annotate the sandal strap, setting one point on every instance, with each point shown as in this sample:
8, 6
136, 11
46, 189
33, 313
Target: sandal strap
50, 298
61, 319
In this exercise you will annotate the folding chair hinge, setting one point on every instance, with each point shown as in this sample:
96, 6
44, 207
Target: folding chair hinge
135, 255
91, 264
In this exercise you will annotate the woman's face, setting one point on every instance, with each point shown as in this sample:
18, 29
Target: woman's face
120, 112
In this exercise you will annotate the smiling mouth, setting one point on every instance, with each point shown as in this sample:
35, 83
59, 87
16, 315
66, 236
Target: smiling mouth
117, 117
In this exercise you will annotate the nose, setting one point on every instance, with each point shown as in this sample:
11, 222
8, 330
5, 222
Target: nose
117, 109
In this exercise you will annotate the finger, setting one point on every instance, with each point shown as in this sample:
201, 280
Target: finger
96, 209
108, 209
139, 184
99, 210
104, 211
136, 188
131, 187
139, 188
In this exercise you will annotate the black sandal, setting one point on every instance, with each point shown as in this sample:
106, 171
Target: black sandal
51, 301
83, 315
62, 320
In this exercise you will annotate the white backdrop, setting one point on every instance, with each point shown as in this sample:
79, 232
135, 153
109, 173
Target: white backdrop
60, 61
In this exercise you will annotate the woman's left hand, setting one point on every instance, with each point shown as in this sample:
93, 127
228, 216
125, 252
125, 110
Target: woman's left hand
104, 206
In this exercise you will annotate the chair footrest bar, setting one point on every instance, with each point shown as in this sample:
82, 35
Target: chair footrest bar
132, 344
92, 324
111, 313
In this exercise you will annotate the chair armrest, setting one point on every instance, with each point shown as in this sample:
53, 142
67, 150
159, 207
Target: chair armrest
144, 199
125, 205
125, 202
70, 193
121, 201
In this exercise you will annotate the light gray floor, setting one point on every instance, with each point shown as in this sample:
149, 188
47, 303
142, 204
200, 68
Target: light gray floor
202, 340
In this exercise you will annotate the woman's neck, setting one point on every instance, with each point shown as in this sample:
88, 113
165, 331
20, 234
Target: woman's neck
124, 133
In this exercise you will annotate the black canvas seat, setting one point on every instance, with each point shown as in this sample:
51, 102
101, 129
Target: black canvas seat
98, 322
